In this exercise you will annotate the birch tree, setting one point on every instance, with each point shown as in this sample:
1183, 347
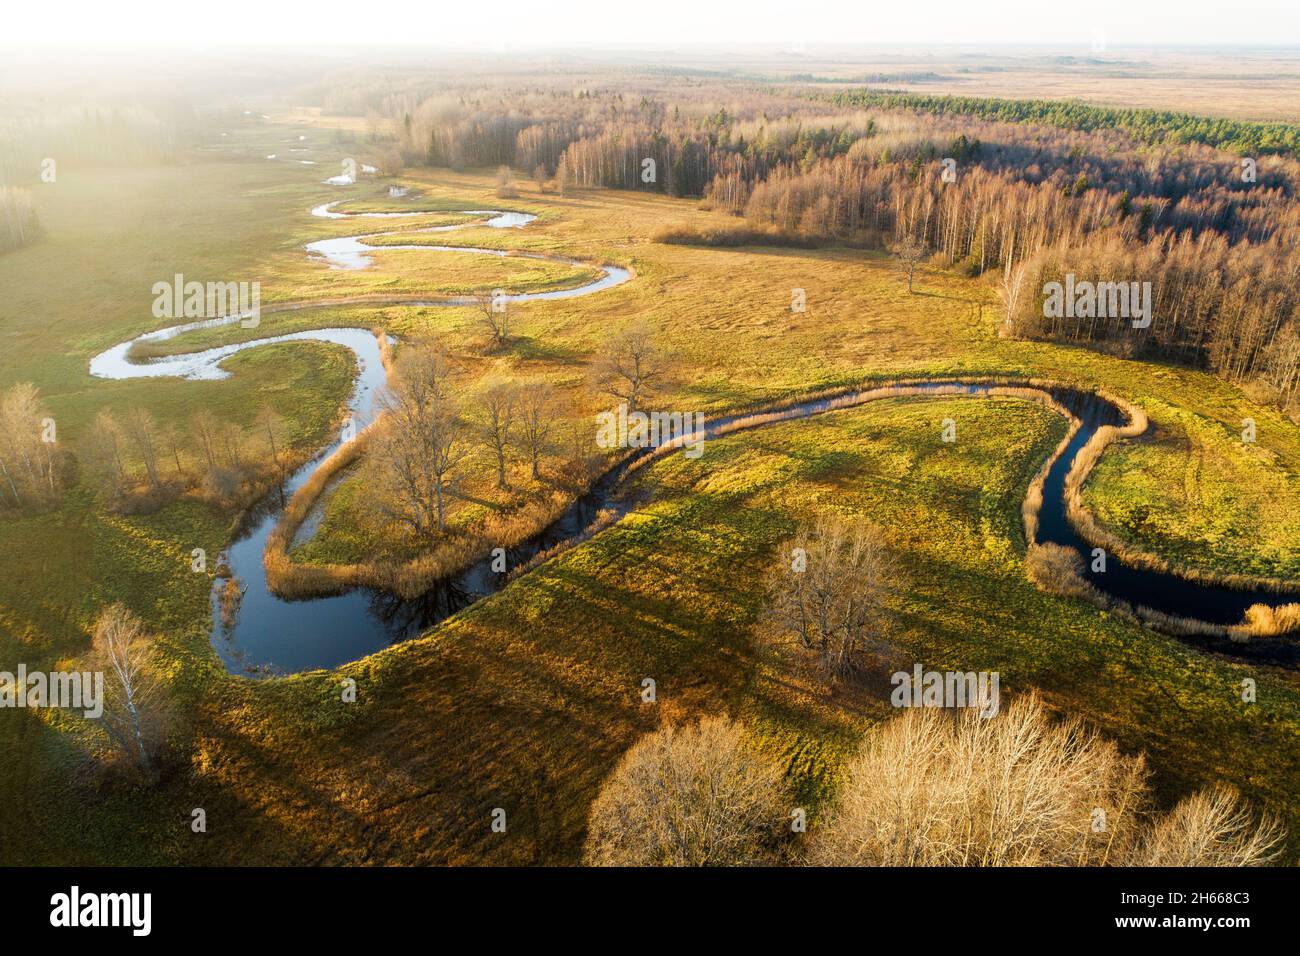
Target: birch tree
131, 719
423, 441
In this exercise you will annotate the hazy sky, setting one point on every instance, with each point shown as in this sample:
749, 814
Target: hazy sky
488, 25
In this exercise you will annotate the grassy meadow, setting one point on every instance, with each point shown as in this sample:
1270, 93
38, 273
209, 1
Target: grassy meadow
526, 700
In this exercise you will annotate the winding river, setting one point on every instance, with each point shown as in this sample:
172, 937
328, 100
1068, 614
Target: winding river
272, 635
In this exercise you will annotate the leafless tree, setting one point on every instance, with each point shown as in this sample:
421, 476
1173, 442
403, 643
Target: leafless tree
206, 430
537, 412
629, 364
232, 446
142, 431
693, 796
169, 437
104, 447
498, 402
26, 460
1015, 789
1018, 789
271, 427
131, 716
1211, 828
494, 318
909, 252
1010, 289
506, 183
826, 590
422, 442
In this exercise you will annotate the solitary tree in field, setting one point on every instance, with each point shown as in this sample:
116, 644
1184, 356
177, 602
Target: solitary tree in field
494, 319
689, 796
827, 588
506, 183
131, 715
272, 431
629, 363
909, 252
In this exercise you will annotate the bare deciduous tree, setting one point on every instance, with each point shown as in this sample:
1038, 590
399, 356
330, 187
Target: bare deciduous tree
931, 789
1017, 789
694, 796
169, 438
536, 417
422, 441
207, 430
909, 252
494, 318
271, 427
141, 430
506, 183
26, 460
104, 445
131, 716
629, 364
498, 402
1211, 828
1010, 289
232, 446
827, 588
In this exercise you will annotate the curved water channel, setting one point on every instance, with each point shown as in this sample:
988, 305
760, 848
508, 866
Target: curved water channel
273, 635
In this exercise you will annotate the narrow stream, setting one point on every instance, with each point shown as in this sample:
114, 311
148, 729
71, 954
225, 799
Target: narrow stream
272, 635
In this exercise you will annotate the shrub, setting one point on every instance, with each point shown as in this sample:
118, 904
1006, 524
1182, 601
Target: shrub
928, 789
1013, 790
1211, 828
694, 796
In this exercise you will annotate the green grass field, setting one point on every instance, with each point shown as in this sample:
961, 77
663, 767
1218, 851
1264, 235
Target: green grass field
527, 699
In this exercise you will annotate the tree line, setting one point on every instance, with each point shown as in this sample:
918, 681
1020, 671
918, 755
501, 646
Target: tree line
1152, 126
